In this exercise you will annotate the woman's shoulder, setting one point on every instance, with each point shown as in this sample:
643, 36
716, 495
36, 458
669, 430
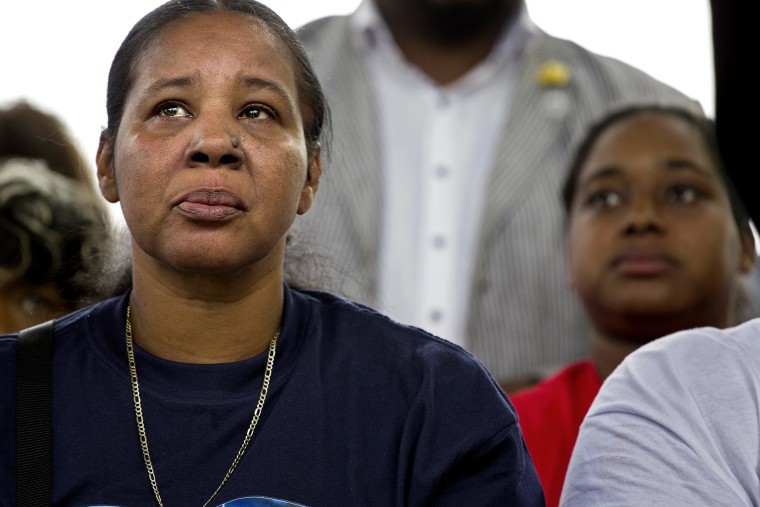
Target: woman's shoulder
356, 322
70, 334
102, 311
370, 342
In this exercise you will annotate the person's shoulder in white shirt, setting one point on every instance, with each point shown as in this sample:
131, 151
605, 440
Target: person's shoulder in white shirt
678, 423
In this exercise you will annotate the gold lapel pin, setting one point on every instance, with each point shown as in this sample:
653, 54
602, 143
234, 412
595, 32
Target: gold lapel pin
553, 73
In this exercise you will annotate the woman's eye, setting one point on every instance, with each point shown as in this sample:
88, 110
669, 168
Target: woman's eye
256, 112
172, 110
683, 194
604, 199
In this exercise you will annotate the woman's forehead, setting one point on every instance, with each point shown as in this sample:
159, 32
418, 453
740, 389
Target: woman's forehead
651, 137
216, 43
648, 131
648, 146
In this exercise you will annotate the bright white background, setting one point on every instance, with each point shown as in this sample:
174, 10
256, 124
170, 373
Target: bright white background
56, 53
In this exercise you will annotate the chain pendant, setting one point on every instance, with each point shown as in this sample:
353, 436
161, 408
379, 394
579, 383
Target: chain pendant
141, 420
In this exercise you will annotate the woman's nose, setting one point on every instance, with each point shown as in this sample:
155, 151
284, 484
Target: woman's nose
215, 143
644, 215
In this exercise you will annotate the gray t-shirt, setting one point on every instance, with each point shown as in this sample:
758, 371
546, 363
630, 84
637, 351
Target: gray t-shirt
678, 423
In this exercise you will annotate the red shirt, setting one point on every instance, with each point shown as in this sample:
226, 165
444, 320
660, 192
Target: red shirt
551, 414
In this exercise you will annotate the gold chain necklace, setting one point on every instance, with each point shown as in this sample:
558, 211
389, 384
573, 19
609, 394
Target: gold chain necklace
141, 421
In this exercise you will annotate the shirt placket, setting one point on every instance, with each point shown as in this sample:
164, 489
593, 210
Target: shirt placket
439, 207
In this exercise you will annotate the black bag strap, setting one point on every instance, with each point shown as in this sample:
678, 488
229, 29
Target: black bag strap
34, 416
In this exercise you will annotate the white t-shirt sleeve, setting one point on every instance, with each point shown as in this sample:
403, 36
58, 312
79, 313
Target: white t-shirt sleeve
676, 424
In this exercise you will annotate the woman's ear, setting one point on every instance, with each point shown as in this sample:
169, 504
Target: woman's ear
106, 173
313, 174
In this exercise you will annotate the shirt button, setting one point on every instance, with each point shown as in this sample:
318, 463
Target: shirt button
439, 241
443, 101
441, 171
436, 315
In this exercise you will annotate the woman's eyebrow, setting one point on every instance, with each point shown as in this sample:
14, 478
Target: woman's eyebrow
246, 81
174, 82
265, 84
600, 174
687, 164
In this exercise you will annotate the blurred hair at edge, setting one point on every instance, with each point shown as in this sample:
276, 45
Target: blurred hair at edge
29, 132
54, 234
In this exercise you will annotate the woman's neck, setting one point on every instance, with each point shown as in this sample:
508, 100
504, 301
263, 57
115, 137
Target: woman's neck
607, 353
205, 319
609, 348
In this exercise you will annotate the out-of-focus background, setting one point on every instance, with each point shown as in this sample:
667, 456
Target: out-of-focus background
56, 54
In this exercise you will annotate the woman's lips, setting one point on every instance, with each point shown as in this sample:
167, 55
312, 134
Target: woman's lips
643, 264
211, 205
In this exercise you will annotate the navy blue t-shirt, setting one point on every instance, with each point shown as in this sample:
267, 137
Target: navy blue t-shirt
360, 411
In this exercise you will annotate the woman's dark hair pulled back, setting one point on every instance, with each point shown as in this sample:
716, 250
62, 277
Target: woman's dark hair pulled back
121, 75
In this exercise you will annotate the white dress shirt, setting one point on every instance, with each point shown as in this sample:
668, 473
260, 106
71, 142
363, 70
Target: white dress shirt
437, 149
